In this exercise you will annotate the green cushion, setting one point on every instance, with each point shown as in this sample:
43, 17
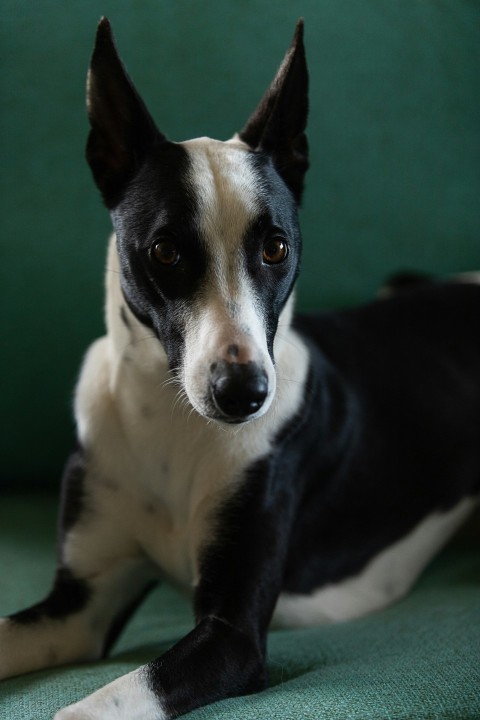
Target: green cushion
394, 180
419, 660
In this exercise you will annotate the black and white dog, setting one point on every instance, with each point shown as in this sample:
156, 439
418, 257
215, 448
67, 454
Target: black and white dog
304, 470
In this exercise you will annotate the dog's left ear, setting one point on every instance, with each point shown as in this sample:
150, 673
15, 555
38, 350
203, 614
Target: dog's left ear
122, 130
277, 126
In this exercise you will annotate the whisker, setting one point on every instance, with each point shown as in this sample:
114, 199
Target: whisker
287, 339
137, 341
284, 378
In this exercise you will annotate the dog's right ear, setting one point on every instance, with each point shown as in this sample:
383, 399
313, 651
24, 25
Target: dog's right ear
122, 129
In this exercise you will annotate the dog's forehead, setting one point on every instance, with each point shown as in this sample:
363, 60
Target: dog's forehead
210, 189
225, 184
216, 161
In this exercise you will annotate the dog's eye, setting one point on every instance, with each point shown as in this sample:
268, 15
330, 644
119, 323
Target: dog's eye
275, 250
165, 252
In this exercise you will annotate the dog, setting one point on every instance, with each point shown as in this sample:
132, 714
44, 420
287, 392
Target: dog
281, 469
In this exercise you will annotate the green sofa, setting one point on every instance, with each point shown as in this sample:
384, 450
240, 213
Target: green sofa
394, 184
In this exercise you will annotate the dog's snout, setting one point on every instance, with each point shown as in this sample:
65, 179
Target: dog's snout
238, 389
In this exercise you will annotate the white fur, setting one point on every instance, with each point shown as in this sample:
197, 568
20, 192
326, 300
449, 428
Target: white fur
228, 192
126, 698
467, 277
385, 579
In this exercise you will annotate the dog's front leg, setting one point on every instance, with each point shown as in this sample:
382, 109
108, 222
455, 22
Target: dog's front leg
241, 576
214, 661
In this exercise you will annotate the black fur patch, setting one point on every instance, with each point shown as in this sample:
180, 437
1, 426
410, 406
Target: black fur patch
369, 455
405, 280
214, 661
69, 595
242, 569
272, 284
398, 415
72, 498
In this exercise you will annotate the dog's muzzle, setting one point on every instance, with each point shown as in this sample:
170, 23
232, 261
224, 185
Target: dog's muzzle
238, 389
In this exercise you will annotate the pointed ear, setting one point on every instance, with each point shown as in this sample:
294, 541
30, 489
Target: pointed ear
122, 130
278, 124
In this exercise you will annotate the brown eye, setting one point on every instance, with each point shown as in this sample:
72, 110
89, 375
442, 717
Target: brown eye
275, 251
165, 252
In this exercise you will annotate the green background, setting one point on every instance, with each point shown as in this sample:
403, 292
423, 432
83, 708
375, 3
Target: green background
394, 182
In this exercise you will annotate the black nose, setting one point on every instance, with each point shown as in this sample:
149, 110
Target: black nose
238, 389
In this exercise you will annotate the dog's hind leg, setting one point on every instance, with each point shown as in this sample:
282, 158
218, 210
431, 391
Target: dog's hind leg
73, 623
101, 575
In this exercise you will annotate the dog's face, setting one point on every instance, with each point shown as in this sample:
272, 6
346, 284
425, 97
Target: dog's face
207, 231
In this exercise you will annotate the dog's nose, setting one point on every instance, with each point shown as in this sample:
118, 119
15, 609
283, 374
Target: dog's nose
238, 389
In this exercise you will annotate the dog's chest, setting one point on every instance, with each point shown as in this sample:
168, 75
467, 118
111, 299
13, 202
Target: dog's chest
175, 501
163, 477
164, 502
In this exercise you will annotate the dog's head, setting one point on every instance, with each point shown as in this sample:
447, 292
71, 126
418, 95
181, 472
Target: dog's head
207, 231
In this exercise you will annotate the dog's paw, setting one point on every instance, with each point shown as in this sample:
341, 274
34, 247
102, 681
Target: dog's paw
127, 698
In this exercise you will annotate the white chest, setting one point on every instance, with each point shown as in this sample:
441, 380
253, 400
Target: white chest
174, 497
160, 471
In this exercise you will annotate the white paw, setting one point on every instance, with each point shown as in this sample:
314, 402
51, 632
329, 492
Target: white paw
126, 698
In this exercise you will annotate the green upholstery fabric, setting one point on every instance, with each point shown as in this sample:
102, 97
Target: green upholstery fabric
394, 180
419, 660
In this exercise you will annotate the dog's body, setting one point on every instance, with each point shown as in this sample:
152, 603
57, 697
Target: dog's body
304, 471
